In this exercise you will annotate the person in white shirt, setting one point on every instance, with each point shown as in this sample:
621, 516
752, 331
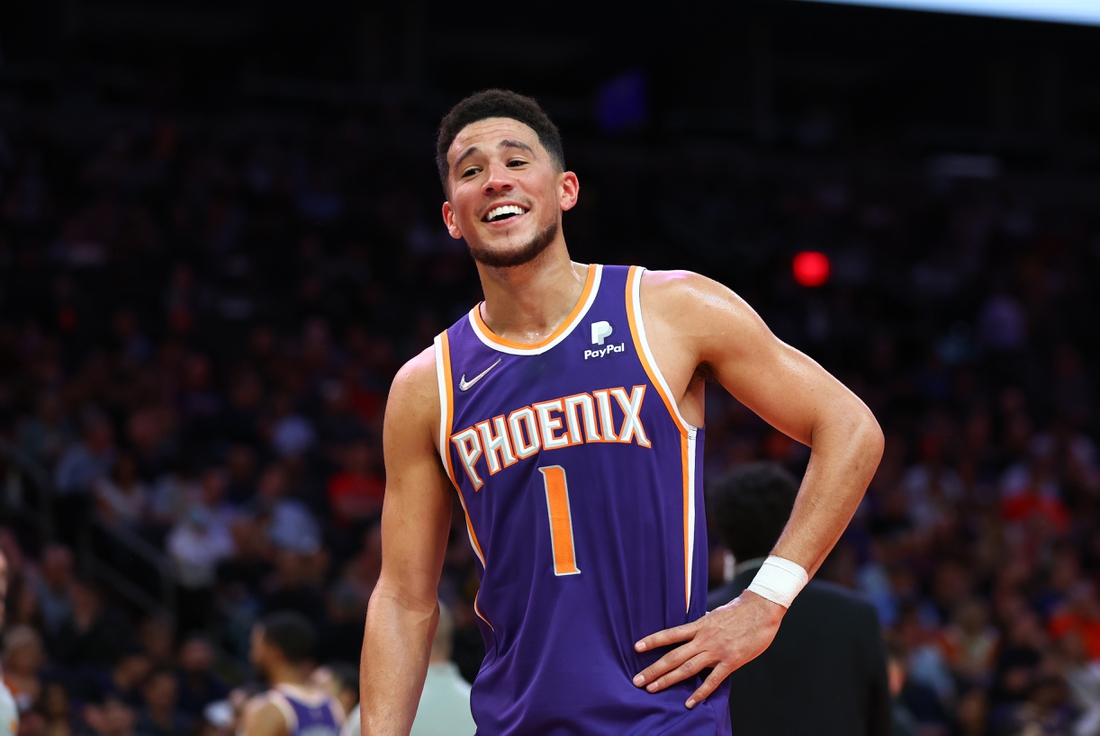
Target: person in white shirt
444, 708
9, 712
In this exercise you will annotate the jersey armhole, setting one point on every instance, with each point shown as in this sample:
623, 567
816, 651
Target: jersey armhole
280, 701
645, 355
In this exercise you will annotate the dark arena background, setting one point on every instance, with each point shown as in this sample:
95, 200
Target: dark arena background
220, 236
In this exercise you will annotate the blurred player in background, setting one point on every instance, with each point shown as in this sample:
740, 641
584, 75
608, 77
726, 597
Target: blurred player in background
282, 647
567, 409
825, 673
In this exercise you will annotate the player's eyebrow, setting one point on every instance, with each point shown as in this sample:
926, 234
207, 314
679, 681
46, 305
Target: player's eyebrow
516, 144
506, 143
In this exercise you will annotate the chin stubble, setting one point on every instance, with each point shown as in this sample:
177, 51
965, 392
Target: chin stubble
520, 256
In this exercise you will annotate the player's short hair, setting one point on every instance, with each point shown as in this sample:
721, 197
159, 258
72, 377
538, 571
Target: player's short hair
750, 505
291, 633
497, 103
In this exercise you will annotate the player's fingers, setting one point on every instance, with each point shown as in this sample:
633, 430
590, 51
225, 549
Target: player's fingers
666, 637
670, 661
714, 679
690, 668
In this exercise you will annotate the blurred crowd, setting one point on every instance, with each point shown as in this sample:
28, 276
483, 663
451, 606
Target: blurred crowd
200, 316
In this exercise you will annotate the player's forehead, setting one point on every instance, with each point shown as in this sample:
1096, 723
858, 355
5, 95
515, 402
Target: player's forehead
491, 134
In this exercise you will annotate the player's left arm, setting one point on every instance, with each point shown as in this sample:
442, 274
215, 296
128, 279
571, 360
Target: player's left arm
695, 323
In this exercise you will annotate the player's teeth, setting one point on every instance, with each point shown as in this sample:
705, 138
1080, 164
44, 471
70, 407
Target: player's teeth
505, 210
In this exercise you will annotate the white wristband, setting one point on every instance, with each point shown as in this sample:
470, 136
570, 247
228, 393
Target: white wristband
779, 580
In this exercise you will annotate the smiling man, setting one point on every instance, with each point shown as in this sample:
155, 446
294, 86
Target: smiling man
567, 411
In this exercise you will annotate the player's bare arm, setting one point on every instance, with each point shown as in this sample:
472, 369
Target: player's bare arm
416, 516
698, 327
261, 717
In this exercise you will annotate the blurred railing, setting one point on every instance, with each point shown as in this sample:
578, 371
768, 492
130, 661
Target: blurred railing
123, 561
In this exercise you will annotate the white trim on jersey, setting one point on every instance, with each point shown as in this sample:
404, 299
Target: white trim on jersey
636, 288
490, 342
441, 379
689, 550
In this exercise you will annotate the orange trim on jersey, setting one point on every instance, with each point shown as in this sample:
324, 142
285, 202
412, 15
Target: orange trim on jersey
640, 351
448, 387
685, 459
566, 324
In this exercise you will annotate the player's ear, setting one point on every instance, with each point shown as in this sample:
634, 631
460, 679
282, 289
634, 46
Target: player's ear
450, 221
570, 190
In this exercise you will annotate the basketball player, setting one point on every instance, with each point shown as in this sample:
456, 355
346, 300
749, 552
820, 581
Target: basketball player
567, 409
281, 649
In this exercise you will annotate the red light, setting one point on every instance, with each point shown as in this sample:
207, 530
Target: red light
811, 268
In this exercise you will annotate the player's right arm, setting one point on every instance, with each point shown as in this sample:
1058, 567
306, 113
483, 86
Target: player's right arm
416, 518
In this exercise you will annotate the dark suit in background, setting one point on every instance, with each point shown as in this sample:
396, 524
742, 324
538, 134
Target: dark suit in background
825, 672
824, 675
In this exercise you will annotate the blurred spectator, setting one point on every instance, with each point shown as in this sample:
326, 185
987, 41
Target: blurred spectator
340, 680
24, 658
291, 433
1082, 677
94, 633
123, 681
110, 718
356, 492
902, 722
156, 636
196, 545
293, 588
198, 685
57, 709
54, 587
121, 498
160, 715
289, 522
44, 435
79, 468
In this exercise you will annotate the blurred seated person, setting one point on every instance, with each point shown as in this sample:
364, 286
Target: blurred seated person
198, 685
355, 493
95, 631
112, 717
445, 701
121, 499
123, 681
57, 710
161, 715
24, 658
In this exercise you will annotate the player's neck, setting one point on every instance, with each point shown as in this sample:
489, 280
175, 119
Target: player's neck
288, 675
527, 303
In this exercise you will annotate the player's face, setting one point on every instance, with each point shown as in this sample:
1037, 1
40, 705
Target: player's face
506, 193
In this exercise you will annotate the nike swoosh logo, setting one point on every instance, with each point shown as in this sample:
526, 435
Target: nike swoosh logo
464, 385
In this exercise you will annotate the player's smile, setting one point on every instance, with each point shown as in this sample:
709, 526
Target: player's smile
504, 212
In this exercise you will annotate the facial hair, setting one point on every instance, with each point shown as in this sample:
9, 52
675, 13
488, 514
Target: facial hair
525, 254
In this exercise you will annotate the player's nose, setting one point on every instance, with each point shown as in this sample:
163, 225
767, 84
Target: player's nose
499, 179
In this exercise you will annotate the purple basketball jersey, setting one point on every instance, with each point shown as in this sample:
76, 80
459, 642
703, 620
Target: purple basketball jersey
582, 487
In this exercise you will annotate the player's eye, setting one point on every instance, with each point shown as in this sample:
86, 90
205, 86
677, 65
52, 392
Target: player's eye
469, 172
516, 162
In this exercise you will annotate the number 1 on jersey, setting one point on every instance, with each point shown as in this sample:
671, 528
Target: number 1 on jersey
561, 521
